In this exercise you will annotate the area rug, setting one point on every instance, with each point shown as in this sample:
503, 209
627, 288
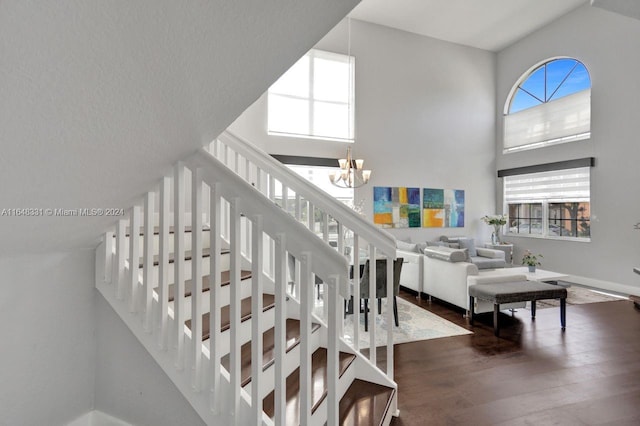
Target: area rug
578, 296
415, 324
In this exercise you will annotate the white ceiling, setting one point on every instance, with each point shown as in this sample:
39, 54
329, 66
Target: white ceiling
485, 24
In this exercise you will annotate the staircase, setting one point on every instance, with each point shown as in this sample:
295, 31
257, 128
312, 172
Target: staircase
238, 294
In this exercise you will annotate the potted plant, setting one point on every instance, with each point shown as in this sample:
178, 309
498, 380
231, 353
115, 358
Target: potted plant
497, 221
531, 260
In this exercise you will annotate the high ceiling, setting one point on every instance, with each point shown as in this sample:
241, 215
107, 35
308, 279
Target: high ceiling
485, 24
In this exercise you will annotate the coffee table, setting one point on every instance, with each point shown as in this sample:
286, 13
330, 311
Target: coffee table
539, 275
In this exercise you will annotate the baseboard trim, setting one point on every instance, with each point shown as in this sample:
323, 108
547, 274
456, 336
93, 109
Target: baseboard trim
616, 288
98, 418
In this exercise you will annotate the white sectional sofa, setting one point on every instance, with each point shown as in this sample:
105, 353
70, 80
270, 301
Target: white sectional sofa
443, 273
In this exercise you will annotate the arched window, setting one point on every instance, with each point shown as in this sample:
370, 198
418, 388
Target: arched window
550, 104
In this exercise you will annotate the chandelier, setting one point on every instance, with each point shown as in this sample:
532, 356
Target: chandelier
351, 173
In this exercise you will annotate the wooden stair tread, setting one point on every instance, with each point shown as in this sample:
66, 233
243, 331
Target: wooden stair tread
318, 386
224, 277
292, 338
268, 302
365, 403
187, 256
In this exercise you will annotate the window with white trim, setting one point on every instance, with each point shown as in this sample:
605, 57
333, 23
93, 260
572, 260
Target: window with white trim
550, 204
314, 98
550, 104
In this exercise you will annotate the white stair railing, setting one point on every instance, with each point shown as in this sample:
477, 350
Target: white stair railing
266, 174
126, 277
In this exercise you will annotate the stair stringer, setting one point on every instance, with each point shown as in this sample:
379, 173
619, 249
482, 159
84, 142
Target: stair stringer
200, 400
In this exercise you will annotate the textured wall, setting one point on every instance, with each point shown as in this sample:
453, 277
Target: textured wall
98, 99
47, 324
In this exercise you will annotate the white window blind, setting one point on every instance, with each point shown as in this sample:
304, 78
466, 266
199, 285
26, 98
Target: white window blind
555, 185
561, 120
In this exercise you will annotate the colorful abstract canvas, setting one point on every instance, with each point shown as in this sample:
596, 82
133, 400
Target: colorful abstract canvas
442, 208
396, 207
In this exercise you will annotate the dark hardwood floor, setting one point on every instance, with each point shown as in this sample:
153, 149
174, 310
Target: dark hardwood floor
533, 374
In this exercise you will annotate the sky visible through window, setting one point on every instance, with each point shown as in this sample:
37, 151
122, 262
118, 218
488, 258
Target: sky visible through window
552, 80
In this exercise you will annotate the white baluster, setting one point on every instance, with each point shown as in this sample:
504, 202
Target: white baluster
234, 313
121, 253
134, 258
256, 314
372, 304
163, 263
285, 198
196, 276
281, 280
214, 295
306, 306
272, 188
298, 207
390, 318
147, 269
109, 246
334, 318
356, 291
178, 262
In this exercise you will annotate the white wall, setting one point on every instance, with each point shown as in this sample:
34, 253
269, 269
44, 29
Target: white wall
129, 383
424, 118
47, 325
608, 45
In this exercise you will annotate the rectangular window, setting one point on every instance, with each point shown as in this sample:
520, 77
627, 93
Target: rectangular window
314, 98
551, 204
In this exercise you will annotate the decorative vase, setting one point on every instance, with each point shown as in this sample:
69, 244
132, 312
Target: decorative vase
496, 232
494, 238
532, 268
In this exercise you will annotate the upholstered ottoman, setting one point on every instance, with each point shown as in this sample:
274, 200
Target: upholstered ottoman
517, 291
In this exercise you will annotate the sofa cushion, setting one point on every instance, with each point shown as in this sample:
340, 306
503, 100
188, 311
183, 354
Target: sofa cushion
446, 253
487, 263
436, 244
469, 244
405, 246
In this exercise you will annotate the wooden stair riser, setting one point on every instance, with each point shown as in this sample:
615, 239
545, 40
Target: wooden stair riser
225, 297
291, 363
267, 320
225, 262
319, 416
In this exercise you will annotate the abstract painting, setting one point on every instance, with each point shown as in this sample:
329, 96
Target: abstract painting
396, 207
442, 208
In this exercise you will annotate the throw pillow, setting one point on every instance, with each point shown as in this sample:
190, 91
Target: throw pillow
469, 244
453, 245
401, 245
420, 247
